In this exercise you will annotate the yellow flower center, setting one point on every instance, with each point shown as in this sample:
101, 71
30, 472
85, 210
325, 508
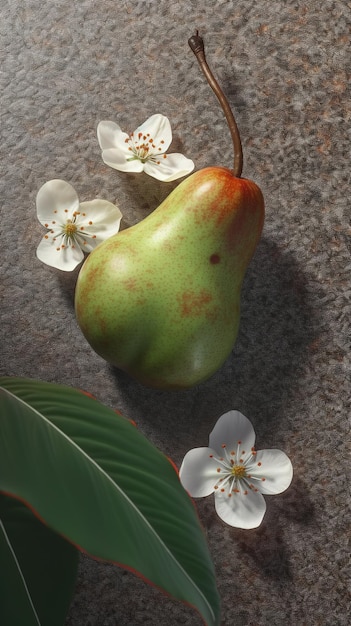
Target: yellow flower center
69, 228
238, 471
144, 148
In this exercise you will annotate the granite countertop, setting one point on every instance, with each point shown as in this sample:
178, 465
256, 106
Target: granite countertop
284, 66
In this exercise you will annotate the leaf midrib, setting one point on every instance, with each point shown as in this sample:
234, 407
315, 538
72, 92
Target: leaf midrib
7, 539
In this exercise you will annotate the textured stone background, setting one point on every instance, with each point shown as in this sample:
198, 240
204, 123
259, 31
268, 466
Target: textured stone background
284, 67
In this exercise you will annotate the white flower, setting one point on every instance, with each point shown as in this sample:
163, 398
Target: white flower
73, 227
235, 472
143, 150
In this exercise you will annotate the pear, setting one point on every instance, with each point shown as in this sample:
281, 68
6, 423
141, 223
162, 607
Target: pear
161, 299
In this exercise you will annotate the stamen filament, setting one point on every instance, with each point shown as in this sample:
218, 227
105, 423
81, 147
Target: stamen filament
223, 482
220, 461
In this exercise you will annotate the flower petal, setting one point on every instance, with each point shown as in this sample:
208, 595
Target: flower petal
118, 159
231, 428
101, 219
158, 129
239, 510
271, 471
198, 473
56, 201
52, 253
110, 135
169, 167
104, 214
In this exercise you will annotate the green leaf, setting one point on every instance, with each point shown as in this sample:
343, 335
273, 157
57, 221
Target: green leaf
39, 569
93, 477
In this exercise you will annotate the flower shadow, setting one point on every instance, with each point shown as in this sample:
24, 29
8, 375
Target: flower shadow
265, 546
267, 550
143, 194
260, 552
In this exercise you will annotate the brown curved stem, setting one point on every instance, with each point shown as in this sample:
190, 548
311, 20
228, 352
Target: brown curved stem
197, 45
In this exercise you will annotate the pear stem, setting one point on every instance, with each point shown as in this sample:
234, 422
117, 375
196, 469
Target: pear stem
197, 45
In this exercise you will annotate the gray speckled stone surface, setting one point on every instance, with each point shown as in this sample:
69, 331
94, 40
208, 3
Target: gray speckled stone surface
284, 67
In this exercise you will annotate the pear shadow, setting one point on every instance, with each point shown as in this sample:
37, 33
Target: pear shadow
277, 329
295, 504
233, 88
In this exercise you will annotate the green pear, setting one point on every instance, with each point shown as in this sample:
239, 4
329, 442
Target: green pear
161, 300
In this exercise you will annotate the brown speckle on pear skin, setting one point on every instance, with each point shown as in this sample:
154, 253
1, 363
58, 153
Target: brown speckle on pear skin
193, 303
131, 284
214, 259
